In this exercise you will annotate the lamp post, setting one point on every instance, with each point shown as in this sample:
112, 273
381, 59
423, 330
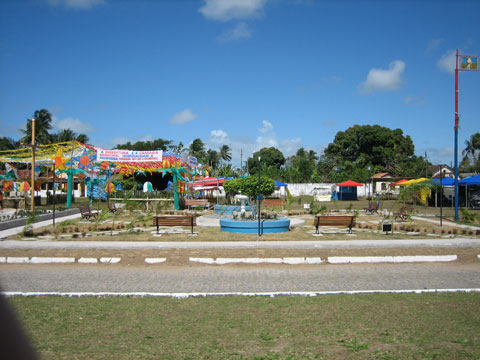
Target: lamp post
259, 196
32, 180
369, 168
441, 195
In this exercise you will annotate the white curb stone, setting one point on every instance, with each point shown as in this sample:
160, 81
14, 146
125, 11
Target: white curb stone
393, 259
87, 261
18, 260
202, 260
110, 260
313, 260
294, 260
3, 259
52, 260
155, 260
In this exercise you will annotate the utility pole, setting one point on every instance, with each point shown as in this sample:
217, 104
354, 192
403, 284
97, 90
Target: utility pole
426, 167
32, 181
241, 162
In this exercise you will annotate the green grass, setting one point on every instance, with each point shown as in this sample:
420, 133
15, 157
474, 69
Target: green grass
370, 326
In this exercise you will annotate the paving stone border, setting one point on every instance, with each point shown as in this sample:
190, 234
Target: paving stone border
57, 260
5, 225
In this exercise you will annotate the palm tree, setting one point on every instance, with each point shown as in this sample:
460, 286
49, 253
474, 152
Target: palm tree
197, 149
83, 138
7, 143
225, 153
64, 135
472, 146
212, 158
43, 123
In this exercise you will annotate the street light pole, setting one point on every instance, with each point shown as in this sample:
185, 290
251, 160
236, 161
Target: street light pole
259, 196
441, 195
32, 180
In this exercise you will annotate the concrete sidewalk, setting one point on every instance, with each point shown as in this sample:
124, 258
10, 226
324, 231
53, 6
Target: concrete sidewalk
299, 245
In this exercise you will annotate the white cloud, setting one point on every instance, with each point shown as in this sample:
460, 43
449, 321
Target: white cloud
267, 127
183, 117
247, 145
434, 44
415, 101
225, 10
76, 125
76, 4
447, 62
384, 80
218, 136
240, 31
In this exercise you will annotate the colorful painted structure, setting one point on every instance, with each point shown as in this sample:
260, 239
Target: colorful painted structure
97, 166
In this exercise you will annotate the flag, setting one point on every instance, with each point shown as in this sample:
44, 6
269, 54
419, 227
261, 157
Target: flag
11, 171
468, 62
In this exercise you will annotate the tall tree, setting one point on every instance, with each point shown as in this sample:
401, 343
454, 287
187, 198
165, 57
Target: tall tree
43, 124
371, 145
7, 143
471, 148
63, 136
225, 153
197, 149
158, 144
212, 158
270, 158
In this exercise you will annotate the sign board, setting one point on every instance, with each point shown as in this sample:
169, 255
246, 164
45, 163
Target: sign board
387, 228
468, 62
128, 155
192, 161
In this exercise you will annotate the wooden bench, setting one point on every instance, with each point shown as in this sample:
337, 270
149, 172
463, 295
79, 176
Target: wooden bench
273, 202
328, 220
174, 220
189, 203
372, 208
87, 212
403, 213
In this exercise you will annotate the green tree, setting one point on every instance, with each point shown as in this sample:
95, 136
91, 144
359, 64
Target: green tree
7, 143
225, 153
63, 136
472, 149
83, 138
197, 149
212, 158
43, 124
158, 144
374, 146
270, 158
249, 186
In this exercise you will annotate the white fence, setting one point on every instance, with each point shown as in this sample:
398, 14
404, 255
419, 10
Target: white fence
312, 188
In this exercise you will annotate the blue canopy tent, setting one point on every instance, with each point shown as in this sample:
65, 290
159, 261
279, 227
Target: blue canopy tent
472, 190
278, 186
445, 181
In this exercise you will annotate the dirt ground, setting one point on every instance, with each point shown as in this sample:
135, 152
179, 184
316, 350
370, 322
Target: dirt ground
180, 257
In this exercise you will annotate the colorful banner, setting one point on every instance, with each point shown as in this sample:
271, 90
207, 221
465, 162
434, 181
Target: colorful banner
128, 155
468, 62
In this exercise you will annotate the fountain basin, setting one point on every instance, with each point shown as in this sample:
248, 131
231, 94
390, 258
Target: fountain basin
230, 209
251, 226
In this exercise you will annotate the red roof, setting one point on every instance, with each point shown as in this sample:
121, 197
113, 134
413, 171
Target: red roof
349, 183
208, 181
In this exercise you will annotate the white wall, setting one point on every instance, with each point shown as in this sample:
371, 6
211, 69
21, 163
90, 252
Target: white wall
307, 189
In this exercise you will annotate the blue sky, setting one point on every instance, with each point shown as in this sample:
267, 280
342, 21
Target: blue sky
246, 73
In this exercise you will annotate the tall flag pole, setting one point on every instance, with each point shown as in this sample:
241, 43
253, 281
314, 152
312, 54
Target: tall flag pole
463, 63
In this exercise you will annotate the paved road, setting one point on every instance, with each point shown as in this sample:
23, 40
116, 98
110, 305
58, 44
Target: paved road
170, 279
